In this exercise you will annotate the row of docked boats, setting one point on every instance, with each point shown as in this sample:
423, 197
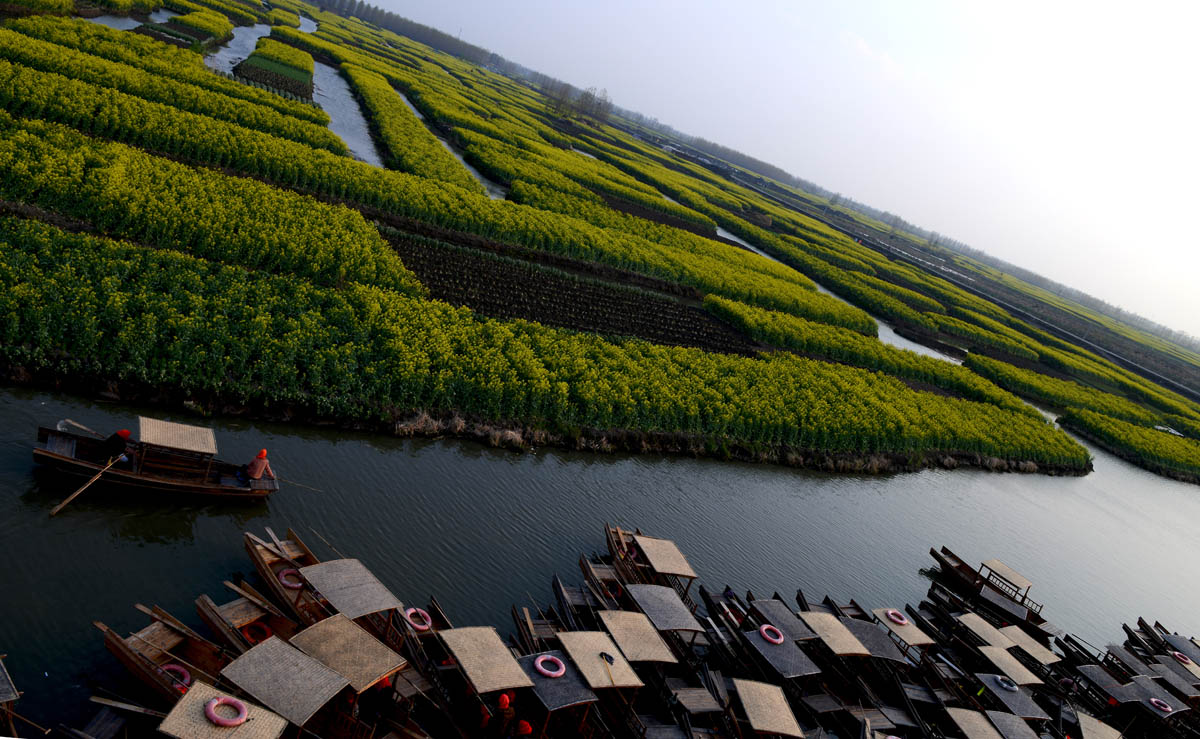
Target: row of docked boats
635, 647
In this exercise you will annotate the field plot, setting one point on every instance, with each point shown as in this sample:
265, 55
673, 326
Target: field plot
596, 302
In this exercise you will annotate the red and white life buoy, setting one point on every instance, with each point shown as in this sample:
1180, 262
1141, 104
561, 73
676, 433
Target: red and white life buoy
1181, 658
255, 632
770, 633
290, 579
1161, 705
896, 617
210, 711
557, 668
422, 622
178, 674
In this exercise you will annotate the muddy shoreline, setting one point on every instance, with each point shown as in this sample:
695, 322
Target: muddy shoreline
515, 435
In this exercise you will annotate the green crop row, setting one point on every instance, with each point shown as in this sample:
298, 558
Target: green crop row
207, 22
410, 146
153, 56
49, 57
281, 17
289, 56
80, 304
1156, 450
131, 194
233, 11
1054, 392
849, 347
982, 337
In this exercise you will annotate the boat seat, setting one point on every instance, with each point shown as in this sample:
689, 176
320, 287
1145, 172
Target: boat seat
64, 445
155, 641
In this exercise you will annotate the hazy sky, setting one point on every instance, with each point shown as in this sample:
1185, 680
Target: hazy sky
1059, 136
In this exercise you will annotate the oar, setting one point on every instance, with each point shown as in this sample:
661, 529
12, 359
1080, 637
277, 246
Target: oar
608, 661
86, 485
79, 425
14, 714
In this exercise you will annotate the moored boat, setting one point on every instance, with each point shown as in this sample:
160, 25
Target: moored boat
245, 621
166, 458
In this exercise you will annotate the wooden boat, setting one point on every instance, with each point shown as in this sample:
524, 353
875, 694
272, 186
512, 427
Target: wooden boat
280, 560
638, 558
997, 588
167, 655
168, 457
246, 621
8, 696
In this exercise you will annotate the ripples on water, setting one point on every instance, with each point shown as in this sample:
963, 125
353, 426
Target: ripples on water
481, 528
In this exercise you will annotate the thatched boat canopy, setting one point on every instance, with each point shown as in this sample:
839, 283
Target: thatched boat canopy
556, 693
1007, 573
350, 587
783, 618
973, 724
587, 650
187, 721
664, 556
834, 634
1023, 640
195, 439
1010, 666
908, 633
349, 650
636, 637
766, 708
284, 679
485, 659
985, 631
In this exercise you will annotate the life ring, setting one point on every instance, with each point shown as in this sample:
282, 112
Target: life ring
540, 665
1161, 705
1181, 658
287, 581
1006, 683
179, 674
210, 711
896, 617
770, 633
420, 624
256, 631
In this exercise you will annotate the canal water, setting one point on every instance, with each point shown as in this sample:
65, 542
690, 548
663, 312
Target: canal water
495, 190
126, 23
482, 529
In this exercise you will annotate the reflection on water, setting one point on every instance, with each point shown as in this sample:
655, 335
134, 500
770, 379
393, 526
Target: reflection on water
119, 22
225, 58
481, 527
332, 92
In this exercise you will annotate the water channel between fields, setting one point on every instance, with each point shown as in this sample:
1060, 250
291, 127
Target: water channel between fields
495, 190
482, 528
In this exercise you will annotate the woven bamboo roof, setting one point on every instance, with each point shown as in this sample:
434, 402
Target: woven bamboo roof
1008, 573
973, 724
1019, 702
284, 679
664, 556
908, 633
985, 631
782, 617
875, 638
636, 637
196, 439
788, 660
187, 721
663, 607
766, 708
1009, 665
834, 634
1094, 728
8, 691
347, 649
1010, 726
556, 693
350, 587
1030, 645
485, 659
585, 649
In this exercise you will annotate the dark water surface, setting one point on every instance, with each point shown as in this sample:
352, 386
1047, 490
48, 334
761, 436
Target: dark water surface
482, 528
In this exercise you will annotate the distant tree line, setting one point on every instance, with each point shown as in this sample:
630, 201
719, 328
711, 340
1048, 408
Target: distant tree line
566, 101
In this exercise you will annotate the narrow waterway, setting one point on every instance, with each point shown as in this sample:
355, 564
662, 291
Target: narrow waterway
307, 25
482, 528
332, 92
224, 58
127, 23
495, 190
